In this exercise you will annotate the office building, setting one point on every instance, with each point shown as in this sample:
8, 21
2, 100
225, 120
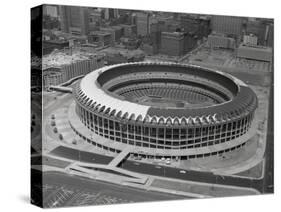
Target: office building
228, 25
142, 23
101, 38
74, 20
172, 43
129, 30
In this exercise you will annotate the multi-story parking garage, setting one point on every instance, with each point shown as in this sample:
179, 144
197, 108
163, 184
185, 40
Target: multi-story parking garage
165, 109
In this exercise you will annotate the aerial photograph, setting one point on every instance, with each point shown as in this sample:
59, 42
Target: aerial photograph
135, 106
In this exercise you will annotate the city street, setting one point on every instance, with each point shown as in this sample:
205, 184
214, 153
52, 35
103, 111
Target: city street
158, 170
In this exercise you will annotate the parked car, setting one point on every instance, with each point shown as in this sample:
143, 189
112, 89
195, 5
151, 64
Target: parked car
182, 172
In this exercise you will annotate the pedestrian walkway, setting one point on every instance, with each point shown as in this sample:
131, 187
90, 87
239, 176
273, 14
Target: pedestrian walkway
120, 174
119, 158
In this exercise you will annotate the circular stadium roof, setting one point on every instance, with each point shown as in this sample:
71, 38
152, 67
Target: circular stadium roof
161, 93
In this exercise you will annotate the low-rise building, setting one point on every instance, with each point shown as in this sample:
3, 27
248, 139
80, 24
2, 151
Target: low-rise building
118, 32
130, 42
255, 52
111, 31
221, 41
129, 30
115, 55
148, 49
60, 67
100, 37
250, 39
51, 45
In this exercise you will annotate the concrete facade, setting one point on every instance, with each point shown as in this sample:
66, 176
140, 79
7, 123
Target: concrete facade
172, 43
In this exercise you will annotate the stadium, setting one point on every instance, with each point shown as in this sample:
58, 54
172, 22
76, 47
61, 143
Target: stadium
158, 109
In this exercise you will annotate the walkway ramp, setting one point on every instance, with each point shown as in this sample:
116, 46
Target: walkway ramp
131, 176
121, 156
60, 89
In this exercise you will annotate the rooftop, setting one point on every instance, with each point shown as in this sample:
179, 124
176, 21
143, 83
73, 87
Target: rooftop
99, 33
244, 99
62, 58
122, 51
256, 47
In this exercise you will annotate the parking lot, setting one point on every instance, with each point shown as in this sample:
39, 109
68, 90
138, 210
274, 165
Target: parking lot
61, 190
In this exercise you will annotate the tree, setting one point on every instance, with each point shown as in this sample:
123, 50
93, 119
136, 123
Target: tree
60, 137
74, 141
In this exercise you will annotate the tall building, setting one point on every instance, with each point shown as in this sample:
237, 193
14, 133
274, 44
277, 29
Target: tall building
199, 26
190, 42
95, 15
106, 13
257, 28
155, 37
74, 20
151, 44
269, 35
115, 13
261, 28
142, 22
51, 10
110, 13
118, 32
172, 43
227, 24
